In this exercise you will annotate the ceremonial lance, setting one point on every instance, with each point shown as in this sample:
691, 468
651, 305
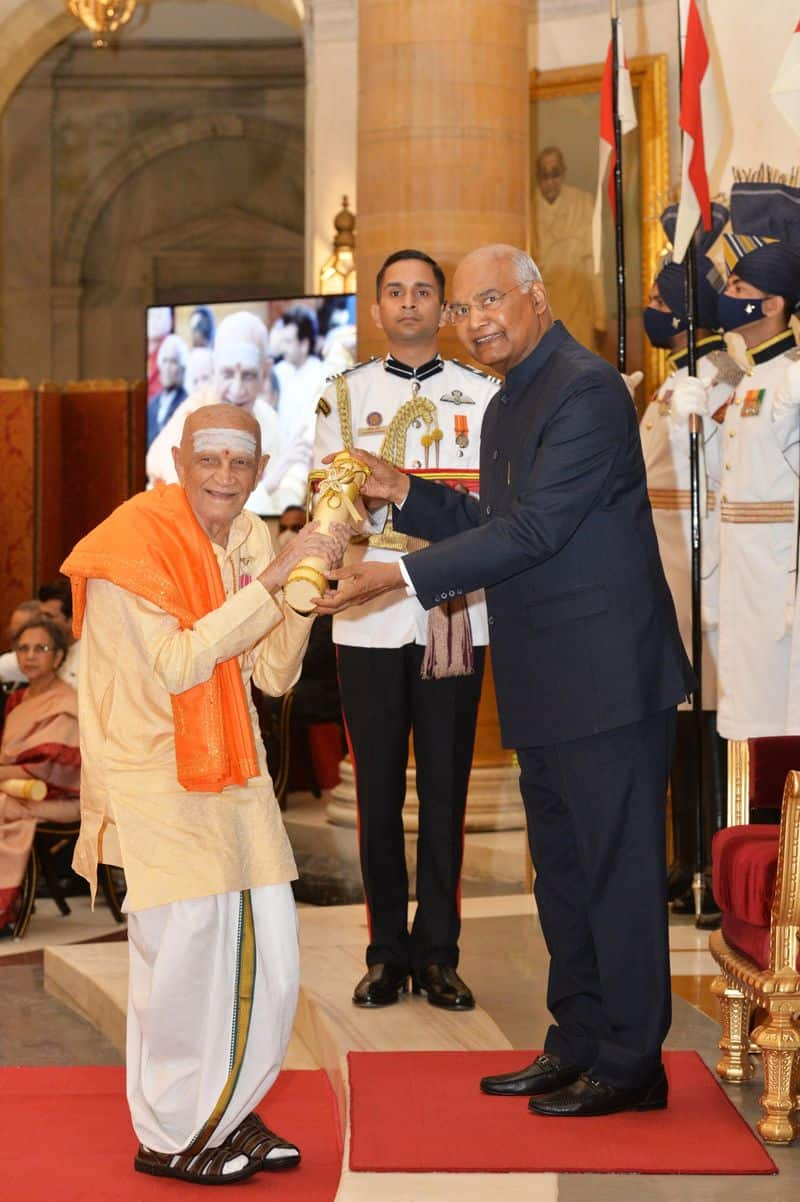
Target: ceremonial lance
695, 433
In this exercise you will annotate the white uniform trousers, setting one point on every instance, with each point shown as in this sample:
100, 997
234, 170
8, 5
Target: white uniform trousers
211, 1002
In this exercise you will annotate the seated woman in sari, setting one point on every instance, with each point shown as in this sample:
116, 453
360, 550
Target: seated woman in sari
39, 755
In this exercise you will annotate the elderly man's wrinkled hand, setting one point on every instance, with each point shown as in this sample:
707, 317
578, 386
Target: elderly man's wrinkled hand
339, 536
359, 583
385, 482
308, 543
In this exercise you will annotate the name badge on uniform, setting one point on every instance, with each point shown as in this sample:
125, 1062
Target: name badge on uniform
456, 397
374, 424
752, 402
664, 403
461, 427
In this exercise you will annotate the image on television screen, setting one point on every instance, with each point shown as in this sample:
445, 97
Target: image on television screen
271, 357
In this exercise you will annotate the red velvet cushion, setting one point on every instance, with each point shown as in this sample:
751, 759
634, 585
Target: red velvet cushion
771, 760
751, 941
744, 861
744, 866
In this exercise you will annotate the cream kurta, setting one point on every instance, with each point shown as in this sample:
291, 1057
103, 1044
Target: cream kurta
175, 844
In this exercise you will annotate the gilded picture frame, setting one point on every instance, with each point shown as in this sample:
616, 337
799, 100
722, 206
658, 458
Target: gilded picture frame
645, 159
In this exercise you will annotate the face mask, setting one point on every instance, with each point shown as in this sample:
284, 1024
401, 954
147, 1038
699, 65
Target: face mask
661, 327
735, 311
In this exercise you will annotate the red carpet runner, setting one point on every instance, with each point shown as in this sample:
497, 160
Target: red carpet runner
423, 1112
66, 1135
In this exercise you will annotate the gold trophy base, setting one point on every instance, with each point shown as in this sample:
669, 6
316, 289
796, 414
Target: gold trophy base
25, 790
304, 585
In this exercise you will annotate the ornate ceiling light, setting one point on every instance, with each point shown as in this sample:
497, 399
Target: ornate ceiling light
102, 17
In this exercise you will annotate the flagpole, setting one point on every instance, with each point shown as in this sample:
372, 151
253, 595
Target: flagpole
619, 225
695, 433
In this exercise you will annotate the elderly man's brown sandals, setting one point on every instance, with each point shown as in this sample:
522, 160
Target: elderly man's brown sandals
203, 1168
268, 1150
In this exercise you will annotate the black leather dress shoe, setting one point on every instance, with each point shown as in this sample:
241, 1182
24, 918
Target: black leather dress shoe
545, 1074
443, 987
381, 985
588, 1097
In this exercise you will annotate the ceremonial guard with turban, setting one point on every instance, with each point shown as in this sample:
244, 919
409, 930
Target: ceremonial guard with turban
665, 444
759, 457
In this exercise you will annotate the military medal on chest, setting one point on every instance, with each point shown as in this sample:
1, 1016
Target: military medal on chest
461, 428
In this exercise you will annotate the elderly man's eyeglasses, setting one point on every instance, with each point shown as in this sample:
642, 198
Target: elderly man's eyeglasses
491, 302
36, 648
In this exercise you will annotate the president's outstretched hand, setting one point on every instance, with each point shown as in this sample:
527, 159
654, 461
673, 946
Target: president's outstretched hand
384, 483
358, 583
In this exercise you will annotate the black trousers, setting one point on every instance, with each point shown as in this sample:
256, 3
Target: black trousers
383, 700
683, 788
596, 823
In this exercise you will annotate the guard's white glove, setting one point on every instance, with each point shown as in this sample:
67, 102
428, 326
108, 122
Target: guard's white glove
787, 397
688, 396
707, 371
632, 381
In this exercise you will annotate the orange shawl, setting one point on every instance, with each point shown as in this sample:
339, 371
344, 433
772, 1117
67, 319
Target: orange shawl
154, 547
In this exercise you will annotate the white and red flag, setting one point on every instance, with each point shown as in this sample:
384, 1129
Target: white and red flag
701, 123
607, 156
786, 89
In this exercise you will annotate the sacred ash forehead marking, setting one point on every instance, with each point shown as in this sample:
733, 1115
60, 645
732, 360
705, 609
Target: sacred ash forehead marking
224, 438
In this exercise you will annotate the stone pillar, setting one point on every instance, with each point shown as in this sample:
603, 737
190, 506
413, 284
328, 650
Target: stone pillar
443, 148
443, 167
331, 34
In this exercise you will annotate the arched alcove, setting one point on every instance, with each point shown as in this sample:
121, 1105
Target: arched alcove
29, 29
234, 230
84, 126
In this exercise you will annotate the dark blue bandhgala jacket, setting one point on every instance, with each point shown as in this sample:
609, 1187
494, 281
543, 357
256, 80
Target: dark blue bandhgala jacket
583, 630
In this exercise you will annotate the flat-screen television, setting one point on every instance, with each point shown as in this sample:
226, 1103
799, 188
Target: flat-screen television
271, 357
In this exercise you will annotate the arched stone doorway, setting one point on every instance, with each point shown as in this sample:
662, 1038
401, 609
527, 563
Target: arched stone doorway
84, 128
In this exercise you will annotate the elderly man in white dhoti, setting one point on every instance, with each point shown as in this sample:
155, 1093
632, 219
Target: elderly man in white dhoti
178, 598
243, 377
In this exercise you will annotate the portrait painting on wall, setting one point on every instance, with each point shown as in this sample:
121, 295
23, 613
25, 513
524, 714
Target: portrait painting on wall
565, 121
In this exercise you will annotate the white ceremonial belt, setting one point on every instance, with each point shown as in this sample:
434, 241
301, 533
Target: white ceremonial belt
677, 498
757, 511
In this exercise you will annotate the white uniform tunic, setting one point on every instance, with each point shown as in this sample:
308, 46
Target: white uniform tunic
461, 395
757, 550
665, 446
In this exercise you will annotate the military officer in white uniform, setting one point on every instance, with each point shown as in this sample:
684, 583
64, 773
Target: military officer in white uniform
759, 460
665, 445
399, 671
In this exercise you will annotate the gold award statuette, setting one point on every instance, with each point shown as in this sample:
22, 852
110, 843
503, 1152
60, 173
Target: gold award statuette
25, 790
335, 502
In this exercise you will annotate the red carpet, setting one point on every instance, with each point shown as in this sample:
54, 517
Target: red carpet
423, 1112
66, 1136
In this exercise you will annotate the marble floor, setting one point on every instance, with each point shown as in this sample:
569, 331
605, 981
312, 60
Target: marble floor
503, 959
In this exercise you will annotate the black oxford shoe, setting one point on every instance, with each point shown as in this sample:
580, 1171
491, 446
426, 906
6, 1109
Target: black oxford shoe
587, 1097
381, 985
545, 1074
443, 987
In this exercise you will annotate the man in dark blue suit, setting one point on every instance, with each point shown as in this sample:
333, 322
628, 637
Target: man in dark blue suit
588, 667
